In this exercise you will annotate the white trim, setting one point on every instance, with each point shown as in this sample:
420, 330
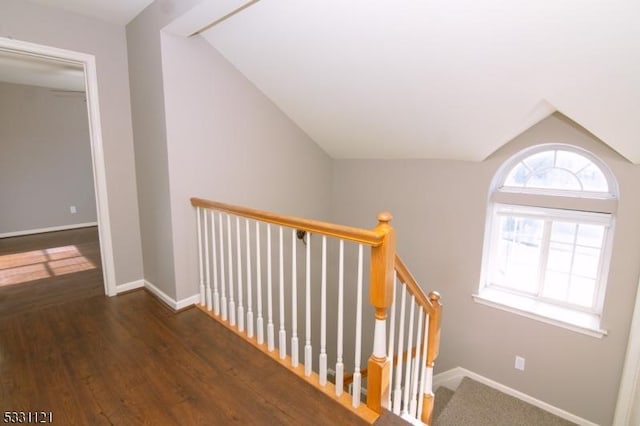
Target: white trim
176, 305
451, 379
585, 323
49, 229
133, 285
503, 172
88, 62
626, 410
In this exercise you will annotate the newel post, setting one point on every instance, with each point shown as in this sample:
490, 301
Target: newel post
381, 293
433, 348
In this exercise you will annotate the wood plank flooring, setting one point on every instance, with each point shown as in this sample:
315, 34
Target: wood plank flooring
129, 360
47, 269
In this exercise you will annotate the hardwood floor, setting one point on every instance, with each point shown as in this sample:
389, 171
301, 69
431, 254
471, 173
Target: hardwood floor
129, 360
46, 269
67, 349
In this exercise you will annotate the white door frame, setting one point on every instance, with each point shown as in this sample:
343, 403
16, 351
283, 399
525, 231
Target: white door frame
95, 133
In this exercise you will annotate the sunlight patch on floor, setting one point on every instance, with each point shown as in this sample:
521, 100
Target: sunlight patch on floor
17, 268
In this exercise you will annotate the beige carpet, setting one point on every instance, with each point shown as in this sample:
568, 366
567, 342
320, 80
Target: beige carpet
475, 404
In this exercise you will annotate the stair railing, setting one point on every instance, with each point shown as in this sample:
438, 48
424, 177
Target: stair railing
413, 396
242, 255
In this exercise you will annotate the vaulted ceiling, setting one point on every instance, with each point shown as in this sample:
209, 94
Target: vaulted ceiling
441, 79
430, 79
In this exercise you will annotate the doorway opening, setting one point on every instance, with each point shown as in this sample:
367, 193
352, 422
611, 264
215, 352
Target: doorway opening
86, 64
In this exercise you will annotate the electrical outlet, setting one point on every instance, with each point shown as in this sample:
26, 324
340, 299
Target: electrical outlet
73, 210
519, 363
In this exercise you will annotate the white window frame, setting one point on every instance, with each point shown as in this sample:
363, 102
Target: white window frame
549, 205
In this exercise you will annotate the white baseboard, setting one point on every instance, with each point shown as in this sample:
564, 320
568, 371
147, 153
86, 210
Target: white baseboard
176, 305
121, 288
451, 379
50, 229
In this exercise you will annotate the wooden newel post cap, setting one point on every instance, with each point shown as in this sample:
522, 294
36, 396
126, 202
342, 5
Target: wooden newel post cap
385, 217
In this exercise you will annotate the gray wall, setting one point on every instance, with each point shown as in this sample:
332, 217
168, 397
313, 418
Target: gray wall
149, 131
201, 129
227, 141
45, 165
439, 212
24, 21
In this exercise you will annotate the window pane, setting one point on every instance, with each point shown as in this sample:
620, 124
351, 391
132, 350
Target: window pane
571, 161
557, 169
586, 262
541, 160
590, 235
563, 232
560, 256
556, 286
518, 254
518, 176
582, 291
554, 179
592, 179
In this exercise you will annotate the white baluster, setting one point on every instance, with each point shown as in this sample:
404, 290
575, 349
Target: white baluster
392, 335
423, 367
200, 262
339, 360
355, 400
223, 284
216, 294
249, 282
397, 393
270, 328
282, 335
323, 315
308, 356
413, 405
407, 376
239, 265
232, 303
259, 320
207, 274
294, 301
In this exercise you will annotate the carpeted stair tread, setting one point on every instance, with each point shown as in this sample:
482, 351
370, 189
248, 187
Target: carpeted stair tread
387, 418
442, 398
475, 404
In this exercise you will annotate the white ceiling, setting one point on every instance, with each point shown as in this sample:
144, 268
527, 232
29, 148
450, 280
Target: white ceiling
441, 79
430, 79
119, 12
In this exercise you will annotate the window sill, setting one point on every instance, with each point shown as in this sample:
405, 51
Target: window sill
580, 322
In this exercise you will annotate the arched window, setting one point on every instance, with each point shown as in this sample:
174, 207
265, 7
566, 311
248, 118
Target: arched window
548, 236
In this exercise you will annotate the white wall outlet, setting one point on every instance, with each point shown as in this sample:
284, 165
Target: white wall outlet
519, 363
73, 209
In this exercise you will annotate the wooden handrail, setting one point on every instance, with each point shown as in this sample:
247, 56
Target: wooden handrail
369, 237
414, 288
385, 265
